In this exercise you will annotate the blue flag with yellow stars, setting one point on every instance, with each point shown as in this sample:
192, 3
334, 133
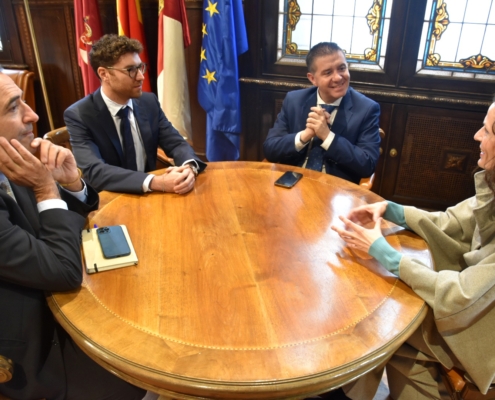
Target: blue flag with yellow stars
224, 38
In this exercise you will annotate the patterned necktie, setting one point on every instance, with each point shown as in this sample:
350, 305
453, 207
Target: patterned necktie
328, 107
125, 131
316, 153
5, 185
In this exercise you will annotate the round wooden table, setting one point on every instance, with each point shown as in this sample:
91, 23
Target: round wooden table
242, 290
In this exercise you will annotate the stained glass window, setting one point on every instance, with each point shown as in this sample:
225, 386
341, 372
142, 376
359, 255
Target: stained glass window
457, 39
359, 27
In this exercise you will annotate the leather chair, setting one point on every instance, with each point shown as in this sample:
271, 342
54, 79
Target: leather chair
162, 160
61, 137
367, 183
25, 80
461, 388
6, 372
6, 369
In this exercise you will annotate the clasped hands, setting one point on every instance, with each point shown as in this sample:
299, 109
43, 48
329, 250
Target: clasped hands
179, 180
355, 233
55, 164
316, 124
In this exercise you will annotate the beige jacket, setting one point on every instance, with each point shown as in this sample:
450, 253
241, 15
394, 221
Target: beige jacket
461, 327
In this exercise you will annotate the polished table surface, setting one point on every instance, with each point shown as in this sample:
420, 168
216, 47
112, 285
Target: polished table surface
242, 290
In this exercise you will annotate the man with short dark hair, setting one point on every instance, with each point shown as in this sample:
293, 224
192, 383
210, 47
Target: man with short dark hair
330, 127
43, 208
115, 132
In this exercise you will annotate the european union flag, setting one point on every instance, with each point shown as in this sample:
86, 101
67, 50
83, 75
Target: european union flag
224, 38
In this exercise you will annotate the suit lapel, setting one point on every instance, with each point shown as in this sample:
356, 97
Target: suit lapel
344, 115
145, 131
104, 121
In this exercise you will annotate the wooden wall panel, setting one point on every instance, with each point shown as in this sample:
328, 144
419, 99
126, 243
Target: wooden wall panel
436, 156
261, 91
53, 23
198, 115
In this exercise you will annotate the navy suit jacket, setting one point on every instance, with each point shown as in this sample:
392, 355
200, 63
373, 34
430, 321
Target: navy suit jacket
355, 149
39, 252
97, 149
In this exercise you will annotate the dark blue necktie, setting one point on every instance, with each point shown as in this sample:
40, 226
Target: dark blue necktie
316, 154
328, 107
128, 142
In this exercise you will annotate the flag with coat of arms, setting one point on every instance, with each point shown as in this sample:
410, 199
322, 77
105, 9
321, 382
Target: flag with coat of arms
88, 31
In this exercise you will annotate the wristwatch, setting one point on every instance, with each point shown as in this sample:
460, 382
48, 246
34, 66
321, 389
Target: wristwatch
194, 169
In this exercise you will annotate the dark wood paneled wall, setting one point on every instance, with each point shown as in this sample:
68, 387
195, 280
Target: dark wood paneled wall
428, 154
53, 22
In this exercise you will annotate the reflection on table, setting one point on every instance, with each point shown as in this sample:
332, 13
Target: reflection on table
242, 289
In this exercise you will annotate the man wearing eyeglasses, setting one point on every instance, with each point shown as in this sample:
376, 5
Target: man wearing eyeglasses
115, 132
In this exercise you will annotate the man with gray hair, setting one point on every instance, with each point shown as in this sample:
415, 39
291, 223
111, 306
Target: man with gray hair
43, 208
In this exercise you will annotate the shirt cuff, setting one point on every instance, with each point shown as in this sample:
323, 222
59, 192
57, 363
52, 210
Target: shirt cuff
81, 195
328, 141
147, 182
386, 255
191, 161
297, 141
395, 213
50, 204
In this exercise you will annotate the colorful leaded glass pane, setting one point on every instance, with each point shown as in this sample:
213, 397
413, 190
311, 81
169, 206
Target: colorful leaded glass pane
359, 27
456, 39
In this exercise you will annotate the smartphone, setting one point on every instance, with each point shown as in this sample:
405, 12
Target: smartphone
113, 241
288, 179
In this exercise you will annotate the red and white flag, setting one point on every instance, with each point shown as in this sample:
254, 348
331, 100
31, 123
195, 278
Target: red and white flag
130, 22
88, 31
173, 91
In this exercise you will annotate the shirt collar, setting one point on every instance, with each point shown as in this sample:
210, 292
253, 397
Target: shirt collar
112, 106
319, 100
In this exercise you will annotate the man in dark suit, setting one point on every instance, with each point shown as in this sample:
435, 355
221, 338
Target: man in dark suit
115, 131
43, 207
330, 127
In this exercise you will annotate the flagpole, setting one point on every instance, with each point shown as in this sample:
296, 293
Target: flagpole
38, 64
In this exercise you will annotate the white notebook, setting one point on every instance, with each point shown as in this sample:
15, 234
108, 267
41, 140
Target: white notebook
93, 255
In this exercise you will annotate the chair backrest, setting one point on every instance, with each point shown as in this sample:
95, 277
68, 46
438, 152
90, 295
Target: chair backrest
6, 369
162, 160
461, 388
367, 183
59, 137
25, 80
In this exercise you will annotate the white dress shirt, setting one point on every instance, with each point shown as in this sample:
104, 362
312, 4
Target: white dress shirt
328, 141
141, 158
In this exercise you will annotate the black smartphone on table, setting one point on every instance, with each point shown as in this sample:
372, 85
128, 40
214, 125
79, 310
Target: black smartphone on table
113, 241
288, 179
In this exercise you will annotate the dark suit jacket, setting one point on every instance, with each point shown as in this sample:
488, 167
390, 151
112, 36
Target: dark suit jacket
97, 149
38, 252
355, 149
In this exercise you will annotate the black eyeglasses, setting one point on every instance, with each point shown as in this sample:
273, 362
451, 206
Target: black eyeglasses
132, 71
